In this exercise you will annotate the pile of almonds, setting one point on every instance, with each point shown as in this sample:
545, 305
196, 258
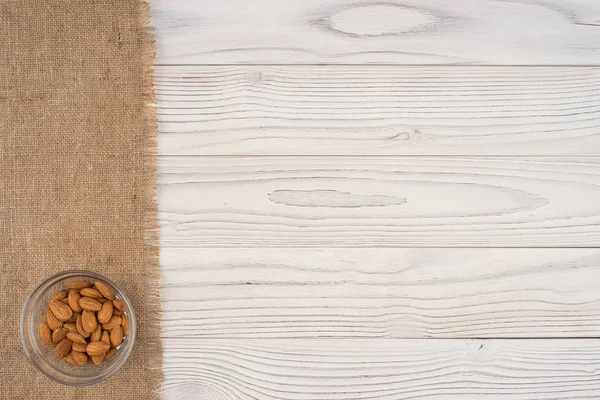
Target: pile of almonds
86, 323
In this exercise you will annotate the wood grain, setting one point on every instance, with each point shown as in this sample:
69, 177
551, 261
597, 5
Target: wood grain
320, 276
371, 31
379, 202
376, 293
378, 110
381, 369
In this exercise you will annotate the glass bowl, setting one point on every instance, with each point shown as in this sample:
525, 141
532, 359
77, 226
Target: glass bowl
41, 354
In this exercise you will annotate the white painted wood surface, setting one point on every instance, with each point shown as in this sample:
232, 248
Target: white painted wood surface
378, 110
380, 293
503, 32
305, 208
379, 201
382, 369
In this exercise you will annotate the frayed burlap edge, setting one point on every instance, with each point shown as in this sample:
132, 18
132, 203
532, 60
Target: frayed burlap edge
151, 229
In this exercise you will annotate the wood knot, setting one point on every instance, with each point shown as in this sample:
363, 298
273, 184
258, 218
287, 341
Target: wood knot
332, 198
380, 19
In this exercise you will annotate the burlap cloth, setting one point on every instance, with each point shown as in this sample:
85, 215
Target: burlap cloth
77, 174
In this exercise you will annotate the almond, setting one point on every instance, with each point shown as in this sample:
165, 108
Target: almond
60, 295
45, 333
110, 353
80, 284
88, 321
105, 337
76, 338
80, 358
63, 348
113, 323
58, 335
79, 347
70, 359
97, 360
53, 322
125, 324
106, 290
60, 310
116, 337
119, 305
70, 327
97, 348
74, 301
97, 334
89, 292
80, 329
87, 303
74, 317
105, 314
86, 312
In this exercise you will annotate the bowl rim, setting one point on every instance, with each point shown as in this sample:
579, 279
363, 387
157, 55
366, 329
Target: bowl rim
92, 379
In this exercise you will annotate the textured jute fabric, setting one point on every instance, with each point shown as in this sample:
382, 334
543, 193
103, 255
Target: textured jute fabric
77, 174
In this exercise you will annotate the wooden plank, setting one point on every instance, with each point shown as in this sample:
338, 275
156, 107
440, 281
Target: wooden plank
381, 369
378, 110
408, 32
379, 201
375, 293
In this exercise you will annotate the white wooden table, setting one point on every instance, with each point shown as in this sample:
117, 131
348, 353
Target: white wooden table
379, 200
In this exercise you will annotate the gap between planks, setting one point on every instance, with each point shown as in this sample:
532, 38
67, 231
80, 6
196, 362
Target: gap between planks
381, 65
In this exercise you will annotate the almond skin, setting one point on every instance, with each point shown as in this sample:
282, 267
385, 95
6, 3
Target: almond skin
97, 334
60, 310
113, 323
58, 335
125, 324
119, 305
106, 290
76, 338
88, 321
102, 300
60, 295
89, 292
70, 327
63, 348
105, 337
87, 303
105, 314
80, 358
79, 347
117, 312
97, 348
80, 329
97, 360
116, 337
45, 333
70, 359
81, 284
110, 353
74, 297
53, 322
74, 317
